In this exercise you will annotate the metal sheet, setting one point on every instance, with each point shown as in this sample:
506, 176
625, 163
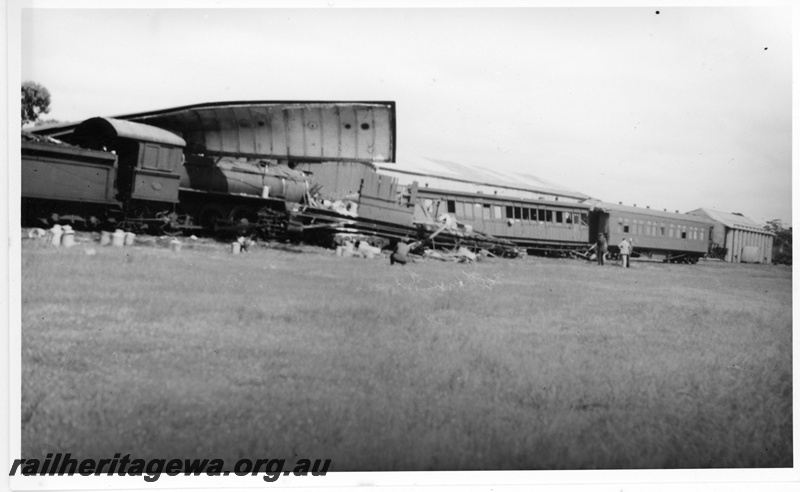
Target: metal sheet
314, 131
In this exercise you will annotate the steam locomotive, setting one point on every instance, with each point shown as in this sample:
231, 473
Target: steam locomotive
131, 175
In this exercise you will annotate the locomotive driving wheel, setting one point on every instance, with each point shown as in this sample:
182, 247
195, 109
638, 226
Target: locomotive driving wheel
210, 215
243, 214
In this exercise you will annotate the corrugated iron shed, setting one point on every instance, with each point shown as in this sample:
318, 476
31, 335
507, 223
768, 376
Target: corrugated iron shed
743, 238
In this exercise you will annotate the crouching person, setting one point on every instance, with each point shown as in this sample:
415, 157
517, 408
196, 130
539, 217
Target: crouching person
401, 251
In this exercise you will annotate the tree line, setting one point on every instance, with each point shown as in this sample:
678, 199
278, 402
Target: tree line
782, 244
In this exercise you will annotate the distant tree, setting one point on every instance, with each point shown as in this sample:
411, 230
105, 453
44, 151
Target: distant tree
782, 245
35, 101
49, 121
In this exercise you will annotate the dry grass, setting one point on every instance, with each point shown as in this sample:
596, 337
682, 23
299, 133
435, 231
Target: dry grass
507, 364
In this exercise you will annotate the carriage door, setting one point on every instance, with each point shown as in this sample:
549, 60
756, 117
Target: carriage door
598, 222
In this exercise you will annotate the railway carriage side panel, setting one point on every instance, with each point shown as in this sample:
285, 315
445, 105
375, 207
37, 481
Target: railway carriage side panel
658, 232
546, 225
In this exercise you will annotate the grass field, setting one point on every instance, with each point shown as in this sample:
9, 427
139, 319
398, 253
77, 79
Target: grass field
505, 364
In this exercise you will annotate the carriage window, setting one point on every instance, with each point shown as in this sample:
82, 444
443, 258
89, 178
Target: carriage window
683, 235
517, 212
568, 216
526, 214
702, 234
459, 209
647, 229
585, 219
509, 212
560, 217
662, 230
451, 206
498, 212
626, 228
548, 215
487, 211
542, 215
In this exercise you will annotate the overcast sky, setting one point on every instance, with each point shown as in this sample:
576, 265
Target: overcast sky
679, 109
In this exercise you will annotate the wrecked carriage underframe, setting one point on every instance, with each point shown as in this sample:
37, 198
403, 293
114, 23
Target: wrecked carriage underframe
329, 228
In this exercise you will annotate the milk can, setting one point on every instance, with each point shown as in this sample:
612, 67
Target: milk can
129, 237
55, 235
118, 238
67, 237
105, 238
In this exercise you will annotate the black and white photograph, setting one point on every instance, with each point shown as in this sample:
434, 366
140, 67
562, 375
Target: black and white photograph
292, 244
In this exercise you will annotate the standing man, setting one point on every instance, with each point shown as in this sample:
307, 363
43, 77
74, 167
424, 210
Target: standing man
625, 249
602, 248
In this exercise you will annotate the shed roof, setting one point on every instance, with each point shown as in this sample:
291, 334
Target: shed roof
732, 220
438, 168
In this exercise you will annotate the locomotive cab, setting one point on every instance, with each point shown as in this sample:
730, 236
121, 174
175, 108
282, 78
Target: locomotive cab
149, 158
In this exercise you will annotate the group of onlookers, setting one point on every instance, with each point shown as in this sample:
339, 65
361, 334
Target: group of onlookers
601, 248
